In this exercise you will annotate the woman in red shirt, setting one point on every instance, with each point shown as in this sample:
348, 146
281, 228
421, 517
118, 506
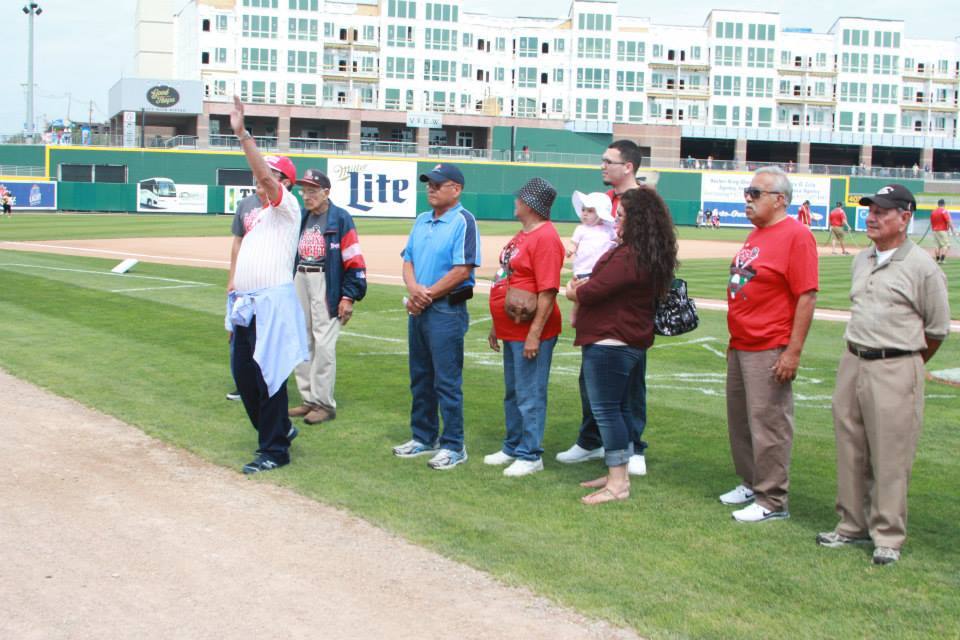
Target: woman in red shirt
615, 327
530, 267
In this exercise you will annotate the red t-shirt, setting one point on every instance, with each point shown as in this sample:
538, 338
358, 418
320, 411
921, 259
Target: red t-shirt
532, 262
803, 215
773, 268
940, 219
837, 217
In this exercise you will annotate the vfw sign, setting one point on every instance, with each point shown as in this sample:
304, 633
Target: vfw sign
374, 187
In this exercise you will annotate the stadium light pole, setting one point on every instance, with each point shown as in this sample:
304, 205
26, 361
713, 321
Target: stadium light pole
31, 9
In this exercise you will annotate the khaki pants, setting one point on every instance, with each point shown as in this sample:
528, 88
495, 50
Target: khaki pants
316, 378
877, 415
760, 424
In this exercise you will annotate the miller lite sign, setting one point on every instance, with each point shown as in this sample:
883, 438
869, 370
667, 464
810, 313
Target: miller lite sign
382, 188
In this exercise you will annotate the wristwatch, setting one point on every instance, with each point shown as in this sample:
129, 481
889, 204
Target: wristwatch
244, 136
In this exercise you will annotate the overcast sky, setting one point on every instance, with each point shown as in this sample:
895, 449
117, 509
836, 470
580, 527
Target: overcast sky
83, 48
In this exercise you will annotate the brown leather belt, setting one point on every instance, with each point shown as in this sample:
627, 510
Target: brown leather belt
305, 269
877, 354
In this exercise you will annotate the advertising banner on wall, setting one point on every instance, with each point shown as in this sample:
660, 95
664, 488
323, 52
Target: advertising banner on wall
30, 196
385, 188
861, 222
163, 195
233, 195
724, 192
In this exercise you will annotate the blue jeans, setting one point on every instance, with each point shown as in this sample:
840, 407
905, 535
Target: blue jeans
589, 436
435, 340
612, 375
525, 398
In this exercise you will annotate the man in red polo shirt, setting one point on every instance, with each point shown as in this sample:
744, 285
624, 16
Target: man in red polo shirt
942, 227
838, 223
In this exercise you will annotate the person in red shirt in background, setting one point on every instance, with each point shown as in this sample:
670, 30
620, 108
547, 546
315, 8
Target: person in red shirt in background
942, 227
771, 296
531, 262
838, 223
803, 214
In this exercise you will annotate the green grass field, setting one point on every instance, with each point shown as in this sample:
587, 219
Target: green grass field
149, 348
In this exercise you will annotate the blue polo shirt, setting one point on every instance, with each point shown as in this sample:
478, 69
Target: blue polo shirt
436, 246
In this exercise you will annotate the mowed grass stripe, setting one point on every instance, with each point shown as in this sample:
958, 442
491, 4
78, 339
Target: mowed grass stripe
669, 562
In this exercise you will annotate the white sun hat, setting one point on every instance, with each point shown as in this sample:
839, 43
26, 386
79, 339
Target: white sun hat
596, 200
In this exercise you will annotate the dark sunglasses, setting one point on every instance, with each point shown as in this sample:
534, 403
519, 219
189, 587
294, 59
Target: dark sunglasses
755, 193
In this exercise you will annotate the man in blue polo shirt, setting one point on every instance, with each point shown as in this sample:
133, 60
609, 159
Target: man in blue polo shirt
438, 262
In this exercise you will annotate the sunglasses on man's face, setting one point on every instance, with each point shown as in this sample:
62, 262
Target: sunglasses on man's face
753, 192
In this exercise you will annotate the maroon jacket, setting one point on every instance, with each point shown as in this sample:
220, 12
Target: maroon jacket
618, 301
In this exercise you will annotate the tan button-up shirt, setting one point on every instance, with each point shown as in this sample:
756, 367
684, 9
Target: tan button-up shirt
895, 305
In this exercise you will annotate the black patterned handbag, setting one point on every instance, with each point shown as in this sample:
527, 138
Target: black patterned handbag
676, 313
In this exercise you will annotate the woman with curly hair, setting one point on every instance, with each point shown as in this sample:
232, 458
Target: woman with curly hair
615, 328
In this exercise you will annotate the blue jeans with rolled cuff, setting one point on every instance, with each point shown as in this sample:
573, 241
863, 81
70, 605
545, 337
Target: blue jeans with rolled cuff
435, 341
525, 398
589, 435
613, 376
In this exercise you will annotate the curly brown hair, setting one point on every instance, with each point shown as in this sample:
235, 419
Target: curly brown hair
647, 227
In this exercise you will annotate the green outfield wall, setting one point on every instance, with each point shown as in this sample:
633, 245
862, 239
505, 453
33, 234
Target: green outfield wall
489, 192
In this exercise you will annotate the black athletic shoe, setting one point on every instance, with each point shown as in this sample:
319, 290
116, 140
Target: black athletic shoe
233, 395
262, 463
293, 433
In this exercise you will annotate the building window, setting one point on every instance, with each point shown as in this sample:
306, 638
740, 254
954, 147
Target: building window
302, 29
595, 22
528, 47
259, 26
399, 36
590, 78
258, 59
630, 81
205, 57
593, 48
301, 5
302, 61
527, 78
402, 8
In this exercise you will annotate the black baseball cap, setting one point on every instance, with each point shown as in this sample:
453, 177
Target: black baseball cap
892, 196
314, 178
443, 172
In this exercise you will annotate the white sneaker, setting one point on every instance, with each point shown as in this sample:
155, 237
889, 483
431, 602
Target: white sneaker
523, 468
739, 495
637, 465
497, 458
576, 453
756, 513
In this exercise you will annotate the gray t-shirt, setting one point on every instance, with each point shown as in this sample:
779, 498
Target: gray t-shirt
312, 248
245, 206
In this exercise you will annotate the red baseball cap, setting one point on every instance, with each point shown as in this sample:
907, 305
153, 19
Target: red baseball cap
284, 165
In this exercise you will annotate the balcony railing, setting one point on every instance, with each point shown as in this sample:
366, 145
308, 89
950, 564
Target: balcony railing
319, 145
376, 147
265, 143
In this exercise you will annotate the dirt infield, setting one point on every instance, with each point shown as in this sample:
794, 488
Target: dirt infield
108, 533
382, 253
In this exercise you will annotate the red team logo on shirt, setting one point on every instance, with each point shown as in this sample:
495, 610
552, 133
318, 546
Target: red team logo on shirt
251, 220
311, 244
740, 271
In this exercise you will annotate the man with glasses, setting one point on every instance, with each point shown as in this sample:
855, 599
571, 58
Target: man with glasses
331, 276
618, 167
898, 317
438, 262
771, 296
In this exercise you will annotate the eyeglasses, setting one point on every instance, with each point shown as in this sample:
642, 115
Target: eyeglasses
433, 186
753, 193
606, 162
